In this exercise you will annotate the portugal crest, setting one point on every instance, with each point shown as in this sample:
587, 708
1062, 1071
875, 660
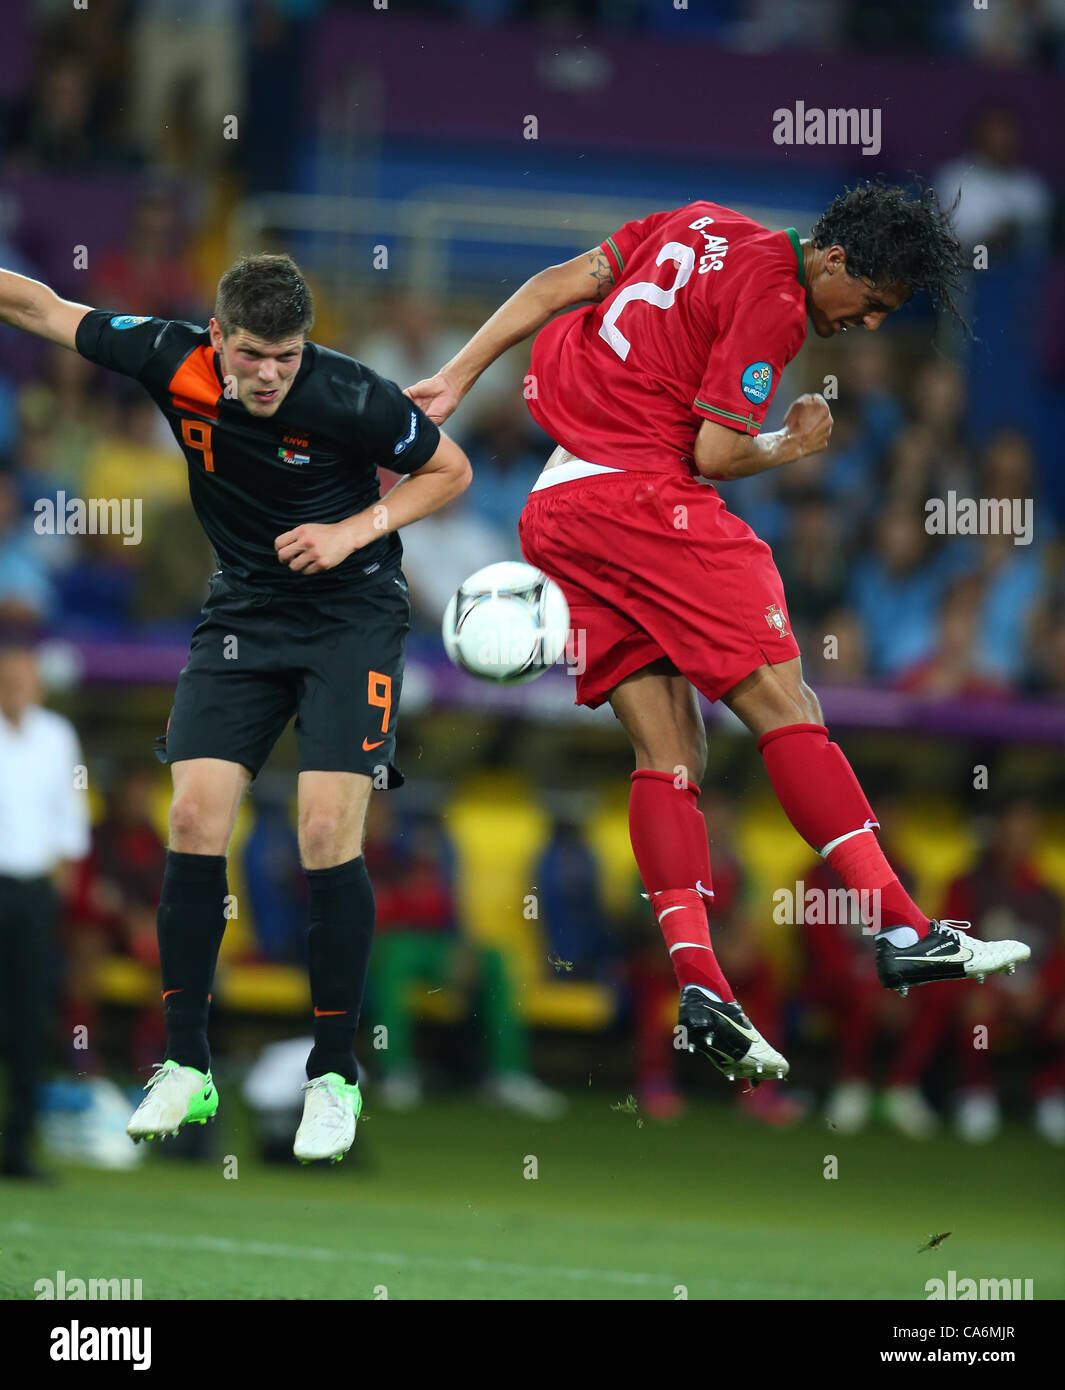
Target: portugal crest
776, 619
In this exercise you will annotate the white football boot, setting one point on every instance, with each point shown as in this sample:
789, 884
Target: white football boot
906, 1109
1050, 1118
518, 1091
978, 1118
850, 1106
331, 1109
400, 1090
945, 954
724, 1034
176, 1096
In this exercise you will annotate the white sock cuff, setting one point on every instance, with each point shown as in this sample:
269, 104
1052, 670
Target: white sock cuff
832, 844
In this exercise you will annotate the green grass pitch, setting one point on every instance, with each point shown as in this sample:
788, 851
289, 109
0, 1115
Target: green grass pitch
437, 1205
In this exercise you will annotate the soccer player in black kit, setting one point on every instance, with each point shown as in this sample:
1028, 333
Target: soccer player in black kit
306, 616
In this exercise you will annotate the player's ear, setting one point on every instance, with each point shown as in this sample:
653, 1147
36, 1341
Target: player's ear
217, 336
835, 260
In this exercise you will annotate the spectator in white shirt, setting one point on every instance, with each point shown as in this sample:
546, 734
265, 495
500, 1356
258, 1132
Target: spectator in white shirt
44, 827
1003, 205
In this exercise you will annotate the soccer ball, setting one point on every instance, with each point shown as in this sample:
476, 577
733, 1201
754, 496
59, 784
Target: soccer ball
507, 623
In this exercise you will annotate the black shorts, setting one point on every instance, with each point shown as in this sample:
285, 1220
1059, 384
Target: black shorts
257, 659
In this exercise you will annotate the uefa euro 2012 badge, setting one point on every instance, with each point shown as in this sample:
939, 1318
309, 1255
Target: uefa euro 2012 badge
756, 381
128, 320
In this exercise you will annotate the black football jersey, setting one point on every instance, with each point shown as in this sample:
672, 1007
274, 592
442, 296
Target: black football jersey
314, 460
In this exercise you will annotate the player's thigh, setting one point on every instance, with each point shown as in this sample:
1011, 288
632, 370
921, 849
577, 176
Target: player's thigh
559, 534
772, 697
205, 802
704, 586
350, 680
234, 695
659, 710
332, 817
691, 582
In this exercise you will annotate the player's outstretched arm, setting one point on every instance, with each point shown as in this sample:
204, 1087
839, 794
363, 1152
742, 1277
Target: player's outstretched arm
586, 278
29, 305
722, 454
320, 546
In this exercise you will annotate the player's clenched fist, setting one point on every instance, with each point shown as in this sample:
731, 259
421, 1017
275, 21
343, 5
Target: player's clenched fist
809, 421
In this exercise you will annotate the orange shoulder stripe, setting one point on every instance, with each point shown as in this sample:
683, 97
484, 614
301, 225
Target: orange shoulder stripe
194, 386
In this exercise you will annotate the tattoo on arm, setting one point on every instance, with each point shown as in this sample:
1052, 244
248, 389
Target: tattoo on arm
601, 273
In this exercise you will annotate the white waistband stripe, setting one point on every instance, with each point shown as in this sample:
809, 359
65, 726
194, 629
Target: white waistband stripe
566, 472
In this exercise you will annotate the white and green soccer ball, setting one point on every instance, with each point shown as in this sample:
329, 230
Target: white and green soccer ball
507, 623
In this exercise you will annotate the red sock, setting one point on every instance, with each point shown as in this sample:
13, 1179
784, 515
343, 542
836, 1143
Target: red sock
860, 863
822, 798
671, 849
668, 833
682, 917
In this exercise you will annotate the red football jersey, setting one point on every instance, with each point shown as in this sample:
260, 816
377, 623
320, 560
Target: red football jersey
707, 309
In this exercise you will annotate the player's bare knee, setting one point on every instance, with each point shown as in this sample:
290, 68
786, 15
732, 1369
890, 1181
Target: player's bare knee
328, 837
319, 835
776, 703
679, 748
196, 827
689, 762
675, 756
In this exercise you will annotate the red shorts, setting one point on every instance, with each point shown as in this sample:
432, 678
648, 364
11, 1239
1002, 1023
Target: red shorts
654, 565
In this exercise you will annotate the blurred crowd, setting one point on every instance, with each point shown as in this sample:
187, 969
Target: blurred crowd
944, 1055
148, 85
1019, 30
873, 594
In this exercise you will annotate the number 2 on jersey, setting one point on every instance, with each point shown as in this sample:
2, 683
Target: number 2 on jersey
646, 290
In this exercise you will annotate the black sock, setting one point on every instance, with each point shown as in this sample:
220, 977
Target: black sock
341, 935
191, 921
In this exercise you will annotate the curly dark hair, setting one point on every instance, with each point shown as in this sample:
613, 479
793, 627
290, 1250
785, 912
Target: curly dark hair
265, 295
894, 238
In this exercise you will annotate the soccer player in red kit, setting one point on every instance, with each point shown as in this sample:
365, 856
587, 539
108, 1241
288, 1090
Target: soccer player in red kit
653, 390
